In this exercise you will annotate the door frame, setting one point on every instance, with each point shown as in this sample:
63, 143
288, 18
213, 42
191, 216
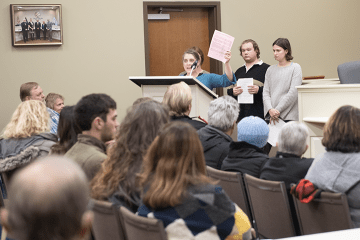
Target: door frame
214, 24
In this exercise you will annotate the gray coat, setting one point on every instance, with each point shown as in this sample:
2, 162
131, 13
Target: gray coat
17, 152
339, 172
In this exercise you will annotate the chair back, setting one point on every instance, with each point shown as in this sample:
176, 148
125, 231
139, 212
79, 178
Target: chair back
233, 185
328, 213
107, 223
349, 72
140, 228
270, 208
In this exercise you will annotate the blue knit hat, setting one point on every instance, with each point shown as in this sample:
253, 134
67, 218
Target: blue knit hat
253, 130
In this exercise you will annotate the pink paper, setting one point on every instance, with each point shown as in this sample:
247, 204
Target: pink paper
220, 43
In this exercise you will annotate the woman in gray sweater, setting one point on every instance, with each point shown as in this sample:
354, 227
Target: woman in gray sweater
279, 94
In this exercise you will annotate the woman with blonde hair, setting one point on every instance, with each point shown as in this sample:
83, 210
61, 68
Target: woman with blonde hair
26, 137
178, 192
116, 180
178, 98
338, 169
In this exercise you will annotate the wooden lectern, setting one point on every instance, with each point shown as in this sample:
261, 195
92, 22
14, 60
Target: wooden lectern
155, 88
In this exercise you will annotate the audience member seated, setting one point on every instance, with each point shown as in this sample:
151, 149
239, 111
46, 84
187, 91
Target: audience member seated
178, 192
246, 155
215, 137
178, 98
54, 104
96, 115
287, 165
48, 200
67, 131
31, 91
338, 169
26, 137
116, 180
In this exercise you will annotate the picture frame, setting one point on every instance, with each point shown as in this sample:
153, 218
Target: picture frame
36, 25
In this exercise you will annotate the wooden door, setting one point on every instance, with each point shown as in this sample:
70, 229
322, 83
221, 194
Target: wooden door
168, 40
191, 24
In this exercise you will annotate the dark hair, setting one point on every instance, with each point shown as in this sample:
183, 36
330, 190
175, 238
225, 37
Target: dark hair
137, 131
91, 106
200, 52
255, 45
285, 44
25, 89
67, 131
342, 131
192, 52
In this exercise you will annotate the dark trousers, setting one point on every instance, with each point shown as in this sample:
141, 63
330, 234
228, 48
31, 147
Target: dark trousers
45, 34
37, 34
25, 36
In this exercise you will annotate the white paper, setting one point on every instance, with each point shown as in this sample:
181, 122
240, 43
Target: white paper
220, 43
245, 96
274, 131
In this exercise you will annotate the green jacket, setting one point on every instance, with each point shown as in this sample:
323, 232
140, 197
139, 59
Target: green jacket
89, 153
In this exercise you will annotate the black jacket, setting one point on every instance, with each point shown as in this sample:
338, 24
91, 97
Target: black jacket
196, 124
215, 144
286, 167
245, 158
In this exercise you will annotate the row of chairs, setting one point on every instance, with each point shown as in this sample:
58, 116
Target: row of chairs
113, 223
266, 203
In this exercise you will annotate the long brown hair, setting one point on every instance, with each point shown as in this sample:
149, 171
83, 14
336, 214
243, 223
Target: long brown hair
67, 131
175, 160
342, 131
137, 131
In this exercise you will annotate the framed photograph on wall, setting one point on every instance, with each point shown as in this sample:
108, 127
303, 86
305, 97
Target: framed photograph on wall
36, 24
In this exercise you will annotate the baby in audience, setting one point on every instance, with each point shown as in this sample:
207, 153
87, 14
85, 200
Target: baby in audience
116, 180
246, 155
178, 192
48, 200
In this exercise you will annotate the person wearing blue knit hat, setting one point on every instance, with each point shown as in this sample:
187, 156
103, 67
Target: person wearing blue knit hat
246, 155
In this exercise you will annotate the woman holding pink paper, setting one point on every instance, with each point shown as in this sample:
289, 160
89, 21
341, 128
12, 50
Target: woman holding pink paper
191, 63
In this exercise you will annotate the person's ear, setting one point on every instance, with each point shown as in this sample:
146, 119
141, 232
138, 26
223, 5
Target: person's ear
86, 223
97, 123
306, 148
4, 215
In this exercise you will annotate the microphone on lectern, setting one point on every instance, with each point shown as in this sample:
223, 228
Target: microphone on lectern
193, 66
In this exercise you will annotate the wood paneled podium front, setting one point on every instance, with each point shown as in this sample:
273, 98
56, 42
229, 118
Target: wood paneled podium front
318, 100
155, 88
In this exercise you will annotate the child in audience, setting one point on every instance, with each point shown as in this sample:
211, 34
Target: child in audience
246, 155
116, 180
178, 192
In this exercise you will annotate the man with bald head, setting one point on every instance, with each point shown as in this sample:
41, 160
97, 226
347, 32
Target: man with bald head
48, 200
